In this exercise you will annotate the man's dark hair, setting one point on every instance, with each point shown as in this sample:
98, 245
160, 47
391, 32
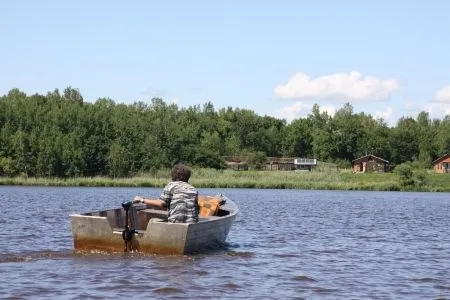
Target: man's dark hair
181, 172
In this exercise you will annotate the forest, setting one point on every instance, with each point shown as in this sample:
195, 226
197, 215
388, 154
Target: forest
61, 135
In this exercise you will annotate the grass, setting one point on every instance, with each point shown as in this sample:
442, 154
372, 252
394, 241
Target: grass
210, 178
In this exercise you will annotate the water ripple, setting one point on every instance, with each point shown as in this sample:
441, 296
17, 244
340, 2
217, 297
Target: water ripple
302, 245
304, 278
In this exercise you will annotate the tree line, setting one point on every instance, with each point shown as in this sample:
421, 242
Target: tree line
61, 135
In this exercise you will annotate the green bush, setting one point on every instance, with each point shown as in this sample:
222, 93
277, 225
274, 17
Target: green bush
343, 163
8, 167
411, 175
256, 160
421, 178
405, 174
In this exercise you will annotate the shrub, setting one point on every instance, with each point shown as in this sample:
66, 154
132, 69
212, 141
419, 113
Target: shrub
421, 178
256, 160
8, 167
343, 163
409, 176
405, 173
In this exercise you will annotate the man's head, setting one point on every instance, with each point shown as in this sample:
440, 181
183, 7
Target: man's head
181, 172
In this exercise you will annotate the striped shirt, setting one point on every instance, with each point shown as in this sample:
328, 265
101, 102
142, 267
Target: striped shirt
182, 200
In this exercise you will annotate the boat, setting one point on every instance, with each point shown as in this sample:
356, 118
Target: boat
142, 228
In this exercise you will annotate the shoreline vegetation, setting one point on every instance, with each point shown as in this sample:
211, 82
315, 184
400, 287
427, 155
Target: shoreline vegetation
60, 135
211, 178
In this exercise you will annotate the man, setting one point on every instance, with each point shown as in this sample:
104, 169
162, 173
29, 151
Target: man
178, 196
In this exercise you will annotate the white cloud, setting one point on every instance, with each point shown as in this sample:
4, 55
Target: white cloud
437, 110
442, 96
340, 86
297, 110
301, 110
387, 115
439, 106
329, 109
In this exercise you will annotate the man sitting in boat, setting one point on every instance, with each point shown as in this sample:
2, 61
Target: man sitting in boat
178, 196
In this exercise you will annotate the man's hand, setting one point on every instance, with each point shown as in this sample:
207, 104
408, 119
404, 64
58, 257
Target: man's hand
138, 199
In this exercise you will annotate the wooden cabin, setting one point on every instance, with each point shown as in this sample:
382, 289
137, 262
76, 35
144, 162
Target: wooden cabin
236, 163
370, 163
238, 166
280, 163
274, 164
304, 164
442, 164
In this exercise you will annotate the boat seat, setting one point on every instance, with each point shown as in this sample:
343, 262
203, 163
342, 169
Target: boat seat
208, 206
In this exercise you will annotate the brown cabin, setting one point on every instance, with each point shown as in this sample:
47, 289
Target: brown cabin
280, 163
236, 163
271, 164
370, 163
442, 164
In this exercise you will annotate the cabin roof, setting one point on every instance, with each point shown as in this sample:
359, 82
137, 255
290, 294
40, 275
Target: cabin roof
438, 160
367, 157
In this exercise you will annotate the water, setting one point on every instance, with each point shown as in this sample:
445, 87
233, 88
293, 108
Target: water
285, 244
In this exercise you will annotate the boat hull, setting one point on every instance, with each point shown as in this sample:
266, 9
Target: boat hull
102, 231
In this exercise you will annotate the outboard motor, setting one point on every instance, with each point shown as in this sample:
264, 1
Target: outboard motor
127, 233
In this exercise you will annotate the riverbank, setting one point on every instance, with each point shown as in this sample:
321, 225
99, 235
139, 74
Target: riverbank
210, 178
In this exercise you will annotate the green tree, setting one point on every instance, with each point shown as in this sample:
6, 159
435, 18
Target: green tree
425, 134
345, 132
404, 143
118, 164
73, 95
22, 152
297, 139
442, 138
374, 137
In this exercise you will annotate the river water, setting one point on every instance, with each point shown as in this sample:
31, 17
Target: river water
285, 244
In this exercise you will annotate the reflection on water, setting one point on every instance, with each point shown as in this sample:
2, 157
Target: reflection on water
284, 244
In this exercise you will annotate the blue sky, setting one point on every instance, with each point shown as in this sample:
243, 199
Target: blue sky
277, 58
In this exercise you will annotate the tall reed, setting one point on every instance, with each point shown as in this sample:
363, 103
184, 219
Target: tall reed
211, 178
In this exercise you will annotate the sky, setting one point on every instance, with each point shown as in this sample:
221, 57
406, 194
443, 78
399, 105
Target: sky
389, 59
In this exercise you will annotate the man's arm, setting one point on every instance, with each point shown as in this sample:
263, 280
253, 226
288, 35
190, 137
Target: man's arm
153, 202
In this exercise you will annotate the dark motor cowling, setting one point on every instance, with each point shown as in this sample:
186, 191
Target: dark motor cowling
127, 233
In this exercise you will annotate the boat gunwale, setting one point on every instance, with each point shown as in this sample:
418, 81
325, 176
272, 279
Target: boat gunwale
233, 210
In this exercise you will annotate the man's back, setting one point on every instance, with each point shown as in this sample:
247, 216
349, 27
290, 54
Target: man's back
181, 200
